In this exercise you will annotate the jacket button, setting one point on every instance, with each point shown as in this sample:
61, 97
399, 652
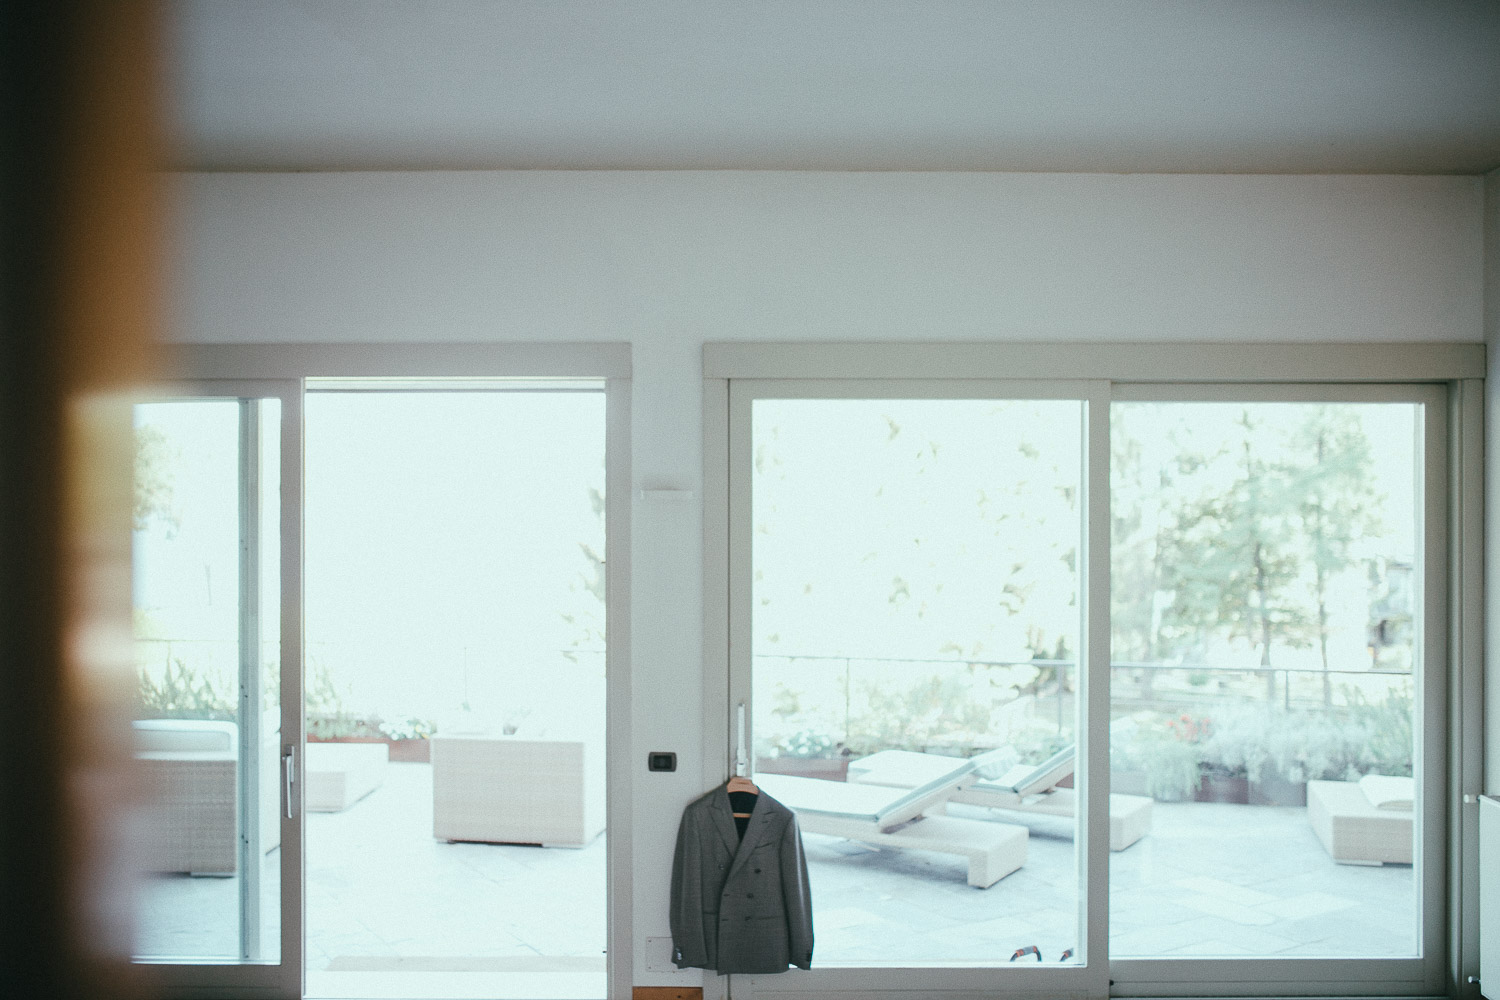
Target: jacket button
749, 895
757, 871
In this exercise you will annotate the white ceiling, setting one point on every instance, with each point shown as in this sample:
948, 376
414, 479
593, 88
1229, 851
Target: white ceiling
1119, 86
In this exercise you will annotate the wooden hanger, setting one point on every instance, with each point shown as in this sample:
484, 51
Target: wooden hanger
740, 783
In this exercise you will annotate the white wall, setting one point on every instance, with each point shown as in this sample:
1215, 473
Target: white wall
667, 261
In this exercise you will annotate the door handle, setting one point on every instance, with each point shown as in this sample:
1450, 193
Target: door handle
288, 769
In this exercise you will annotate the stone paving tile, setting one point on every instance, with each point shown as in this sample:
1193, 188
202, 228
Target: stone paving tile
1162, 940
378, 883
1220, 889
1256, 940
1233, 912
1305, 905
1133, 909
1216, 949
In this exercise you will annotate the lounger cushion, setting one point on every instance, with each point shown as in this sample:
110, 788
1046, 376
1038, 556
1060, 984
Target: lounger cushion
875, 804
1386, 792
1129, 815
870, 814
827, 798
993, 764
1027, 780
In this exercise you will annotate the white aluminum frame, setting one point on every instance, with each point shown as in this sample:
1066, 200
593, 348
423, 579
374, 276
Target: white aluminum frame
288, 366
1171, 977
283, 978
1446, 378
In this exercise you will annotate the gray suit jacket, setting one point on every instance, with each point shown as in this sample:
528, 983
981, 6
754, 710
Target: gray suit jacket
740, 906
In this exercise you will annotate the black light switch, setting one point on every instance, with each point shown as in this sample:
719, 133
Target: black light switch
661, 761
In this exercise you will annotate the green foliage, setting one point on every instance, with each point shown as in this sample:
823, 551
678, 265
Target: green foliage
1387, 741
153, 480
1264, 743
933, 710
1234, 557
412, 729
1164, 750
182, 694
327, 716
805, 743
1033, 739
1240, 541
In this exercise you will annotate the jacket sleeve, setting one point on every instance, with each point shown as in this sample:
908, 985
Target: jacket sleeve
797, 896
689, 950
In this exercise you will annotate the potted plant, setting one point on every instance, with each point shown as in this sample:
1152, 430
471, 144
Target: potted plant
1162, 753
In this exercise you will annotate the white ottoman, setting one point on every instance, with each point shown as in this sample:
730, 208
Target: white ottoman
340, 774
517, 790
1365, 822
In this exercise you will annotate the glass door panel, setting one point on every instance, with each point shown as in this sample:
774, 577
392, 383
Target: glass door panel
206, 594
456, 691
915, 573
1267, 677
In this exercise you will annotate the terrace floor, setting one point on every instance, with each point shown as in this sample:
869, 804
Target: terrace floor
393, 912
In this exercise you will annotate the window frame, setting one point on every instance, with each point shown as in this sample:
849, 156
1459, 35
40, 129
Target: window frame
190, 976
1446, 378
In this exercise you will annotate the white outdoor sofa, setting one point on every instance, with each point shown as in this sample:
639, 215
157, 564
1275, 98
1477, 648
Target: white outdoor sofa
189, 818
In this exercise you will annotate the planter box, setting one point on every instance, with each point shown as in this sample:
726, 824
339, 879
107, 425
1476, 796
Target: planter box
1278, 792
1127, 782
827, 768
1212, 788
411, 751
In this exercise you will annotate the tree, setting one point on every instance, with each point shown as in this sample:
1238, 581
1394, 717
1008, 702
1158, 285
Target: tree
153, 480
1336, 504
1235, 559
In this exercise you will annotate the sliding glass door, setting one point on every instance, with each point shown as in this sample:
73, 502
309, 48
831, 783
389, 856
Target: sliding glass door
445, 717
216, 596
1080, 683
910, 583
1277, 682
456, 620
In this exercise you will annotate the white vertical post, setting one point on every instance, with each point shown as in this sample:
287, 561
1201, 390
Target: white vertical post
1093, 681
741, 759
248, 777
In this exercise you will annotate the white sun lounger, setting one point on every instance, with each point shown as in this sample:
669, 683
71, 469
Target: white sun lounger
889, 818
1024, 788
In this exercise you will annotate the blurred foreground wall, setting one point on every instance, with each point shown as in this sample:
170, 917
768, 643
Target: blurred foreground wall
79, 216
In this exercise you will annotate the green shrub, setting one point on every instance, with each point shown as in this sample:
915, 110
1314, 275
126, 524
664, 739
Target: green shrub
182, 694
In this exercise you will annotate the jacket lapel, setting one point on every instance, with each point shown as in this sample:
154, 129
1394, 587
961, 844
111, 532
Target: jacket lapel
723, 814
